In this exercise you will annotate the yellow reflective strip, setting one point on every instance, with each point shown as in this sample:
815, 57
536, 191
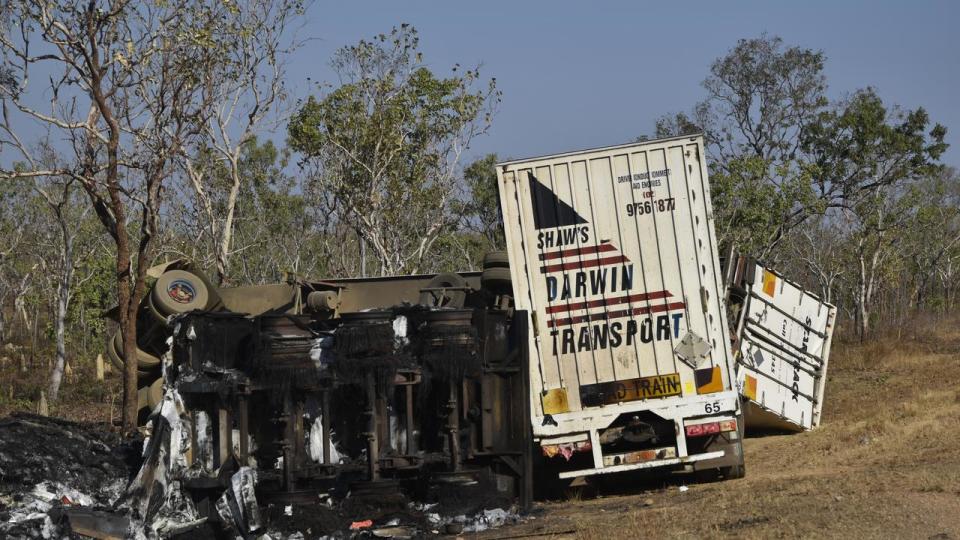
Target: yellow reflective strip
750, 388
769, 283
555, 401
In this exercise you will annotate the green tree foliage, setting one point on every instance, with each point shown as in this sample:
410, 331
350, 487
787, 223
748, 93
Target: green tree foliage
836, 192
761, 99
482, 206
931, 239
675, 125
861, 146
277, 227
278, 231
127, 98
478, 227
386, 145
870, 161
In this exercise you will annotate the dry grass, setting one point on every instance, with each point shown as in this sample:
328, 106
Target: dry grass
884, 464
83, 398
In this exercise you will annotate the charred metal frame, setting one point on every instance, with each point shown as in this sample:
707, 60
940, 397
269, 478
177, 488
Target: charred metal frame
399, 423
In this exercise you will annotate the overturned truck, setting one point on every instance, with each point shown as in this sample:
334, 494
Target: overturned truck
340, 392
371, 387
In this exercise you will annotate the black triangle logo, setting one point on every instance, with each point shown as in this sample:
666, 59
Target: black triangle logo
548, 210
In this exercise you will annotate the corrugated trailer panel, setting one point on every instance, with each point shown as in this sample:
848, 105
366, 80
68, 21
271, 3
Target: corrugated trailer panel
613, 253
784, 353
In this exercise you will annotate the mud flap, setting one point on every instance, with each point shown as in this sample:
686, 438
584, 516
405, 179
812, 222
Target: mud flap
732, 455
731, 464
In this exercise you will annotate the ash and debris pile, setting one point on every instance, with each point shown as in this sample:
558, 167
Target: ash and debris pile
59, 479
47, 465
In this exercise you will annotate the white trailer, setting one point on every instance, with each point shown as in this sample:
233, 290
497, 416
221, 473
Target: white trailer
613, 256
784, 347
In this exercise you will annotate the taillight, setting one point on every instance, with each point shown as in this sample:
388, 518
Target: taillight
728, 425
700, 430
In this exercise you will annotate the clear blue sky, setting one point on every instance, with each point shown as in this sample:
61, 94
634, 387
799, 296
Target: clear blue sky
583, 74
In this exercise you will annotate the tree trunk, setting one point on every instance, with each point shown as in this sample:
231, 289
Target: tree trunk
226, 235
63, 302
35, 336
863, 316
63, 297
113, 214
128, 332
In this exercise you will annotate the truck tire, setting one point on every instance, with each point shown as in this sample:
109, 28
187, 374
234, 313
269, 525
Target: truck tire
116, 358
496, 280
145, 360
160, 318
148, 397
496, 259
454, 298
179, 291
155, 393
142, 401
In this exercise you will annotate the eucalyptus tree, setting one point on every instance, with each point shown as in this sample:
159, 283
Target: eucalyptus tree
60, 247
761, 99
931, 239
15, 274
247, 94
125, 100
869, 157
386, 145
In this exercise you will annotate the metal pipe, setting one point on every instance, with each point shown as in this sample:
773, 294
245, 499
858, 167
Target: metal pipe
224, 435
325, 426
372, 450
244, 428
453, 425
411, 445
288, 443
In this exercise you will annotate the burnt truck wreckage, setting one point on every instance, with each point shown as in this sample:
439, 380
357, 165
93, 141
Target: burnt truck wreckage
407, 386
426, 391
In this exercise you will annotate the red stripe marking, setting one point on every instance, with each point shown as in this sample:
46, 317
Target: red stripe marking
610, 301
616, 314
583, 264
603, 247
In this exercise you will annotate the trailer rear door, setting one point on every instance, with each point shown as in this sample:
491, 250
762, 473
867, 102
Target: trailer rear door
613, 253
784, 352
